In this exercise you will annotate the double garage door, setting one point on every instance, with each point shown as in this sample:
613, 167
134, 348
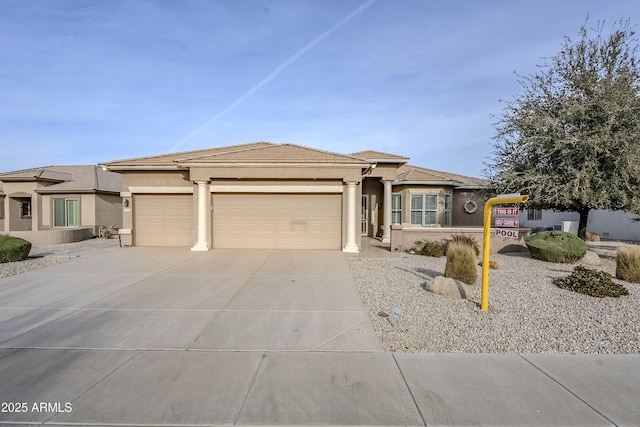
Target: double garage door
251, 221
277, 221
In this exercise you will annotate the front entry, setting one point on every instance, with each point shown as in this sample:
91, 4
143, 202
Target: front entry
364, 227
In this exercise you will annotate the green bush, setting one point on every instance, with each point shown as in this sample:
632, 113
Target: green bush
556, 246
628, 264
430, 248
464, 239
439, 249
13, 249
461, 263
594, 283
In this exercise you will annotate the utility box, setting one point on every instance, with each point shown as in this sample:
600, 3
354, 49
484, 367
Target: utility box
570, 227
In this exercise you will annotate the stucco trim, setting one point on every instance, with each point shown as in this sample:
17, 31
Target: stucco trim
161, 190
276, 188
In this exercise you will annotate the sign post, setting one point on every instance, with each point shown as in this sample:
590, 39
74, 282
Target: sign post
486, 243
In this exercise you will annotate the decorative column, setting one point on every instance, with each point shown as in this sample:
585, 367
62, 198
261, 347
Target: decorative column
204, 216
350, 244
386, 220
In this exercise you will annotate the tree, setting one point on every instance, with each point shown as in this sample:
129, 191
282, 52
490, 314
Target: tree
571, 140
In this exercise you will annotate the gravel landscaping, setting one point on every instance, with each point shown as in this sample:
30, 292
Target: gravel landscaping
45, 256
527, 312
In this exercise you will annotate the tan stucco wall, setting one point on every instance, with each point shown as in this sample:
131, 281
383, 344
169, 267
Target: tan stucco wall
2, 209
402, 239
155, 179
384, 171
276, 172
108, 210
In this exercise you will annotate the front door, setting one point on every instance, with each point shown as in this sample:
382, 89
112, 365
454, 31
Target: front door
364, 228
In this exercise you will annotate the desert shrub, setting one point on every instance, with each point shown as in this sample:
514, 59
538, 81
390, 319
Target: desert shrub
594, 283
592, 237
628, 264
461, 263
492, 264
13, 249
430, 248
464, 239
556, 246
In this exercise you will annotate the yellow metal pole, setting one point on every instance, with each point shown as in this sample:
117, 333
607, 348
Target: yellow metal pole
486, 241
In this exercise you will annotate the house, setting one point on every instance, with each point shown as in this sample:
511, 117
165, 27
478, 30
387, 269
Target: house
609, 225
59, 204
266, 195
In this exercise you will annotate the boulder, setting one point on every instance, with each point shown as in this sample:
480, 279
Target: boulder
590, 258
452, 288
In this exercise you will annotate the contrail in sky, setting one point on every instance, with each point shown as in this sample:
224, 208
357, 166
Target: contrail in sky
278, 70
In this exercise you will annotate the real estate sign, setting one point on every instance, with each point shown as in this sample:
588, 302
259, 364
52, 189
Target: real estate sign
507, 222
507, 232
507, 211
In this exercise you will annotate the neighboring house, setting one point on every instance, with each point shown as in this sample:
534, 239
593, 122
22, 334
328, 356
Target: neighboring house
59, 204
265, 195
609, 225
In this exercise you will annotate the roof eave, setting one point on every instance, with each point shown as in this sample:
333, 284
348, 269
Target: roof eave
128, 167
274, 164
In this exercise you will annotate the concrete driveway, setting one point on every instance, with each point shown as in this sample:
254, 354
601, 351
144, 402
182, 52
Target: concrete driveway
142, 337
143, 298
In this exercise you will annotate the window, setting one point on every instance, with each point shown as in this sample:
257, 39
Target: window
447, 210
65, 212
396, 208
25, 209
424, 209
534, 214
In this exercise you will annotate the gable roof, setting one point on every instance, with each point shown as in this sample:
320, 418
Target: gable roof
417, 175
380, 157
257, 152
67, 179
275, 153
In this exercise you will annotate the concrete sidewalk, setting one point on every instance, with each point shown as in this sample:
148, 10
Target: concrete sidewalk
169, 337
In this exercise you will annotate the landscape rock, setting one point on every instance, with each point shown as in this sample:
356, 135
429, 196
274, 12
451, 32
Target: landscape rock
590, 258
452, 288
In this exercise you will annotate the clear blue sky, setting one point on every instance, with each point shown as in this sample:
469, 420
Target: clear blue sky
89, 81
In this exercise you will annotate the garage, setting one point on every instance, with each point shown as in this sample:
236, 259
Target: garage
277, 221
163, 220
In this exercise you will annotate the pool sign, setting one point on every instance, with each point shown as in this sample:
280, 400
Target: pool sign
507, 211
507, 222
507, 232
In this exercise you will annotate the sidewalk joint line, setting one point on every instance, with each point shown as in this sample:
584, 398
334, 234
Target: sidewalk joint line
566, 388
246, 397
424, 421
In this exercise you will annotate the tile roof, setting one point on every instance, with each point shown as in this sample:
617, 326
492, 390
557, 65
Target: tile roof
68, 178
411, 173
170, 159
371, 155
275, 153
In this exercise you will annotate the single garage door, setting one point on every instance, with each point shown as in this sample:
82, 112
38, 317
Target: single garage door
163, 220
277, 221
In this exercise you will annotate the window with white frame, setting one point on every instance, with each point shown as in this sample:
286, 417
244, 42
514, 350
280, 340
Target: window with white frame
447, 210
396, 208
534, 214
65, 213
424, 209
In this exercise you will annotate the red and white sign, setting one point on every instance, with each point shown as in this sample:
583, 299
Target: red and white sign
507, 232
507, 211
507, 222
